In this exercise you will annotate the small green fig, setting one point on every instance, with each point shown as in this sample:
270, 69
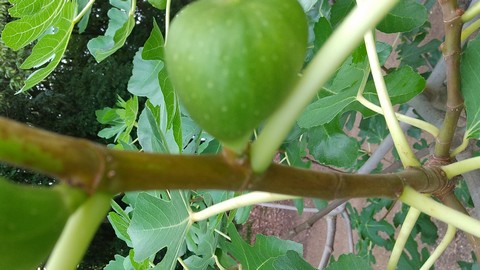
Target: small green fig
233, 62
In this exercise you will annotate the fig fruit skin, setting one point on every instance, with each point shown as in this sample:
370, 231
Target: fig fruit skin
233, 62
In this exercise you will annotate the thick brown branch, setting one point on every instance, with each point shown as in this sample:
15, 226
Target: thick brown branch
451, 50
96, 168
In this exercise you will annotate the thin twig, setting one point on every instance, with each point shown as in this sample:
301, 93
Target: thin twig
287, 207
348, 228
328, 248
314, 218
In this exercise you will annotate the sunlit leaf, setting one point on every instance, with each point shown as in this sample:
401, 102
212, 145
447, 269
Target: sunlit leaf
116, 264
131, 263
144, 80
152, 131
158, 224
121, 120
52, 23
36, 18
153, 49
120, 222
470, 65
119, 28
202, 240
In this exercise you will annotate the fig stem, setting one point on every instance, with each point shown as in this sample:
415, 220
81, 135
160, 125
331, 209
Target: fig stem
78, 232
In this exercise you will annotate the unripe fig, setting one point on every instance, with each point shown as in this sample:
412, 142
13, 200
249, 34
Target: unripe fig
232, 62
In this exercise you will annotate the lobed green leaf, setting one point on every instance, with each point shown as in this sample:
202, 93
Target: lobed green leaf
36, 18
82, 24
119, 28
349, 261
157, 224
330, 145
264, 253
52, 24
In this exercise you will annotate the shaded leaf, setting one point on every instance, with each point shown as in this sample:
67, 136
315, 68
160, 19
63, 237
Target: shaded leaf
296, 152
191, 132
349, 261
405, 16
325, 109
263, 254
416, 51
339, 10
299, 204
32, 219
402, 84
291, 260
374, 129
322, 30
82, 24
340, 93
242, 214
160, 4
411, 258
383, 50
330, 145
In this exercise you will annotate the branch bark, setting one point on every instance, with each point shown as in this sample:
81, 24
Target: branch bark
451, 50
96, 168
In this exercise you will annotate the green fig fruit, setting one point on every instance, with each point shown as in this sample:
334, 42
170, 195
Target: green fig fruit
233, 62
